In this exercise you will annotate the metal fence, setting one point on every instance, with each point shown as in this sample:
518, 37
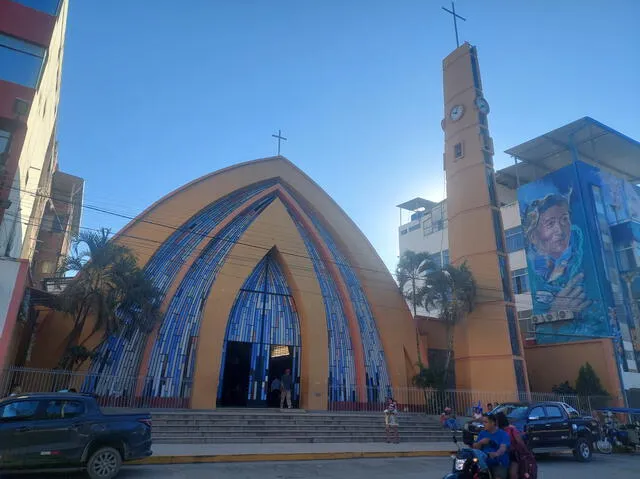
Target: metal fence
433, 402
110, 391
133, 392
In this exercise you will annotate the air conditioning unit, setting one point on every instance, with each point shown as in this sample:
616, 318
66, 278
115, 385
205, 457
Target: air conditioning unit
549, 318
565, 315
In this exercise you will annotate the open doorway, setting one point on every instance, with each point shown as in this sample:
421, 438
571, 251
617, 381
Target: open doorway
280, 359
235, 386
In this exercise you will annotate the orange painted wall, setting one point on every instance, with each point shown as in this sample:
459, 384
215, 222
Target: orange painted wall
551, 364
273, 227
482, 342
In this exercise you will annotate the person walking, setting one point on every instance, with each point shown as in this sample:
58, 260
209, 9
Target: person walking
286, 385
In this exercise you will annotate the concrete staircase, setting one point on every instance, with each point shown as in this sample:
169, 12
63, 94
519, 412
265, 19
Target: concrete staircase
274, 426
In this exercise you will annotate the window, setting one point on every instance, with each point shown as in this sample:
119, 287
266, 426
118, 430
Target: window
47, 267
445, 257
572, 412
19, 410
554, 412
513, 411
520, 281
20, 62
626, 256
537, 412
47, 6
63, 409
458, 151
427, 225
437, 259
514, 238
4, 140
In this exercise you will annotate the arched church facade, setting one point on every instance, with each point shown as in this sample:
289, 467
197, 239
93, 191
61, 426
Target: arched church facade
260, 271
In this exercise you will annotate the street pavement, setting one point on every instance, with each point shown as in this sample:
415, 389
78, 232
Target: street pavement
615, 466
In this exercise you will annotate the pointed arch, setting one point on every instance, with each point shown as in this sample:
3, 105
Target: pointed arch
264, 314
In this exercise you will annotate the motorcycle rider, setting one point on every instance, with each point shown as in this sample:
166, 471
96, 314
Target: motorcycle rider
494, 442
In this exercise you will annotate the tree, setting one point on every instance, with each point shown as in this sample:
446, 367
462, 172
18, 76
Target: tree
411, 271
588, 382
452, 292
110, 288
563, 388
428, 378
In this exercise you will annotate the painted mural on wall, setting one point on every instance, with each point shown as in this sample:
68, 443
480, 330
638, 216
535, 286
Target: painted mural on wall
568, 303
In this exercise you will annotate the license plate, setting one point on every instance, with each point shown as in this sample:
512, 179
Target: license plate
475, 437
460, 464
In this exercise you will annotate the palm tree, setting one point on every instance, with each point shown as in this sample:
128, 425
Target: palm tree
452, 292
411, 271
109, 288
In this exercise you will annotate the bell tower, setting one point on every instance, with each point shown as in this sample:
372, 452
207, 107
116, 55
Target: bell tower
488, 349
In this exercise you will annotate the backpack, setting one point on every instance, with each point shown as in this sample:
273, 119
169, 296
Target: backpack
527, 466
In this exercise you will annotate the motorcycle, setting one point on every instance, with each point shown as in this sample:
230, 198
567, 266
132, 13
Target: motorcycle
612, 437
469, 464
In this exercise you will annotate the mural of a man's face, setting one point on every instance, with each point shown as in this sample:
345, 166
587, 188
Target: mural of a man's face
552, 235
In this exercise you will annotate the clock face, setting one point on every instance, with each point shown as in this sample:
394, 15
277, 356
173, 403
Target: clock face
482, 105
456, 112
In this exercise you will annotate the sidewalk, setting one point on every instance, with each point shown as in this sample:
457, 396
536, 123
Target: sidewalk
208, 453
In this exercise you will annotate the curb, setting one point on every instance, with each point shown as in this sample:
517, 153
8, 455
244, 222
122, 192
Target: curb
310, 456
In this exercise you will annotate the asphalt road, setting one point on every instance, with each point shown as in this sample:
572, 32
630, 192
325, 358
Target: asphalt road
614, 466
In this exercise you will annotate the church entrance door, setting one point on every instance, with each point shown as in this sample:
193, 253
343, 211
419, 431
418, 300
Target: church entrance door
236, 373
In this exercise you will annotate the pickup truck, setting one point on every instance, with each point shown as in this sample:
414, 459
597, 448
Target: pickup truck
546, 427
69, 431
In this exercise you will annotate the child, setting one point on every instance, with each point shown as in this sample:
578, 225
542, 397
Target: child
391, 421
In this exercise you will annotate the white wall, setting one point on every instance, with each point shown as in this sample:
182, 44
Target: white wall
510, 215
40, 126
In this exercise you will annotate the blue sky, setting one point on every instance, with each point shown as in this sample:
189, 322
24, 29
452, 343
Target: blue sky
155, 94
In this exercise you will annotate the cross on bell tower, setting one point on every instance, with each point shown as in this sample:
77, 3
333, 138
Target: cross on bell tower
455, 20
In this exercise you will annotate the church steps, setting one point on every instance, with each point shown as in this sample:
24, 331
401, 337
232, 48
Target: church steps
259, 426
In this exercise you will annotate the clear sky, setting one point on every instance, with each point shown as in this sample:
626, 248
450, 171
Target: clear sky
157, 93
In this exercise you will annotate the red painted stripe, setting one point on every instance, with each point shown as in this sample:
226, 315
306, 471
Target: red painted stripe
12, 311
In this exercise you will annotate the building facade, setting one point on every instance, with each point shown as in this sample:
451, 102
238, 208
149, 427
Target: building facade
569, 206
260, 272
38, 212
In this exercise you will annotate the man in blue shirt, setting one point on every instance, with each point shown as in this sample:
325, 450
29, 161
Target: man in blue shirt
494, 442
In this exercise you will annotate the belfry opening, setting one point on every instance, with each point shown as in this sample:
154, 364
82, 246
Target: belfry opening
262, 340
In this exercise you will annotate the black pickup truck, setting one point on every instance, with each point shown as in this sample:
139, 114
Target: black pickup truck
546, 427
68, 431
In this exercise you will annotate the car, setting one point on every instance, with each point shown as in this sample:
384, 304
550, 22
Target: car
69, 431
546, 427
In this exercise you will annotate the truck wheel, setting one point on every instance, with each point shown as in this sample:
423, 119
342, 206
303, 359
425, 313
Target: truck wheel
582, 450
105, 463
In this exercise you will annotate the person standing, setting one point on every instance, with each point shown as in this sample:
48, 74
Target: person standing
286, 385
